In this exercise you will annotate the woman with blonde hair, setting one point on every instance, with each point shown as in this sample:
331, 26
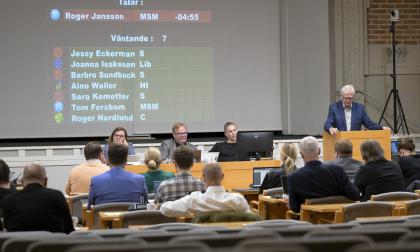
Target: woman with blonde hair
288, 155
153, 159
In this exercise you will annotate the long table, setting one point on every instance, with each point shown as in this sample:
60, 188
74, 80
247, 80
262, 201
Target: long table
317, 210
237, 174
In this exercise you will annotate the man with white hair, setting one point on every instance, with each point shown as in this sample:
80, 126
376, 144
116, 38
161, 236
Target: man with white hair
346, 115
315, 179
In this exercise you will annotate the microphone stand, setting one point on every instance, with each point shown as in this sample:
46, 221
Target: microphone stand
398, 109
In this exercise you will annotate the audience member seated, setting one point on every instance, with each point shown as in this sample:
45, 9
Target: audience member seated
80, 176
344, 158
5, 185
180, 136
378, 175
119, 136
288, 155
36, 207
215, 199
117, 185
409, 161
227, 149
184, 183
315, 179
153, 160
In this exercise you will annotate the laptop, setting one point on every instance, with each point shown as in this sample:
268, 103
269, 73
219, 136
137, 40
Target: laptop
209, 157
258, 175
133, 159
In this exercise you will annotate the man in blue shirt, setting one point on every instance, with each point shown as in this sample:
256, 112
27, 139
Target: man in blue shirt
117, 185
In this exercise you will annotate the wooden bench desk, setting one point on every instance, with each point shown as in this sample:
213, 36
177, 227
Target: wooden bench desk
271, 208
237, 174
233, 225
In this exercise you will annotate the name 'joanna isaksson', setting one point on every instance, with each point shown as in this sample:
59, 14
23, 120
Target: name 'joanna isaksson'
102, 64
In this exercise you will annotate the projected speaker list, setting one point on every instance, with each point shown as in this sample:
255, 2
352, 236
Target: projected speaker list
138, 84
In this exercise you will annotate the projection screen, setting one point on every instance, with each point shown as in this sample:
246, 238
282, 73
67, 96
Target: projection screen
78, 68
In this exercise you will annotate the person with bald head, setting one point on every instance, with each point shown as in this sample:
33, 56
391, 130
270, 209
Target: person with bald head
215, 199
315, 179
36, 207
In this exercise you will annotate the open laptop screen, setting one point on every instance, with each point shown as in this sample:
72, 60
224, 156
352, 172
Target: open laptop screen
259, 175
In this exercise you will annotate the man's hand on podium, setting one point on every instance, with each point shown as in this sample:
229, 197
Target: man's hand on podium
386, 128
333, 131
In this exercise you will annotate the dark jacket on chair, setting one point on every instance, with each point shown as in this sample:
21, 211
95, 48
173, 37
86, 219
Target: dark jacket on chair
379, 177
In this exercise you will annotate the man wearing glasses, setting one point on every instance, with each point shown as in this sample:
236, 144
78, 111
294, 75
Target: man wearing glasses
346, 115
180, 136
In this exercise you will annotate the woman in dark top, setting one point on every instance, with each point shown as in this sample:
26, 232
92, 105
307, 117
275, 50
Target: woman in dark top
409, 161
288, 157
378, 175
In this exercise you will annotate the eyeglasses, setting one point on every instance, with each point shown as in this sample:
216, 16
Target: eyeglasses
181, 133
121, 136
347, 98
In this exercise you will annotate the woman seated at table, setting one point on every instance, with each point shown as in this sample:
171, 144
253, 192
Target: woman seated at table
288, 155
378, 175
152, 160
119, 136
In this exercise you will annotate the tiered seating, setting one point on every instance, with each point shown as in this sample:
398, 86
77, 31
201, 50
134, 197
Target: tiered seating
283, 235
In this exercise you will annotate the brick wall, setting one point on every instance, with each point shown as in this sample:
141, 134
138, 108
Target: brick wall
407, 29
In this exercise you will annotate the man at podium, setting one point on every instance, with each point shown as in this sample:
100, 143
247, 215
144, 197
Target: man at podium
346, 115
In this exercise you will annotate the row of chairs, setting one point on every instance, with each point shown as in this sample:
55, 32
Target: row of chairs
350, 212
279, 235
130, 218
377, 207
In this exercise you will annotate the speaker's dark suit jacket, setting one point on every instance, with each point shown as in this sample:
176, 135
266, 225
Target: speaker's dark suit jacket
359, 117
37, 208
316, 180
379, 177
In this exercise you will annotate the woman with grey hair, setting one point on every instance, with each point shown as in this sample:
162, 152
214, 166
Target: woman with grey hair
378, 175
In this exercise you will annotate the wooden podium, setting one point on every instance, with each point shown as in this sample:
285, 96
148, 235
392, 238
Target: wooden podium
356, 137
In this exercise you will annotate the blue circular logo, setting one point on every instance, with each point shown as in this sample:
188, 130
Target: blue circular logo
55, 14
58, 63
58, 106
